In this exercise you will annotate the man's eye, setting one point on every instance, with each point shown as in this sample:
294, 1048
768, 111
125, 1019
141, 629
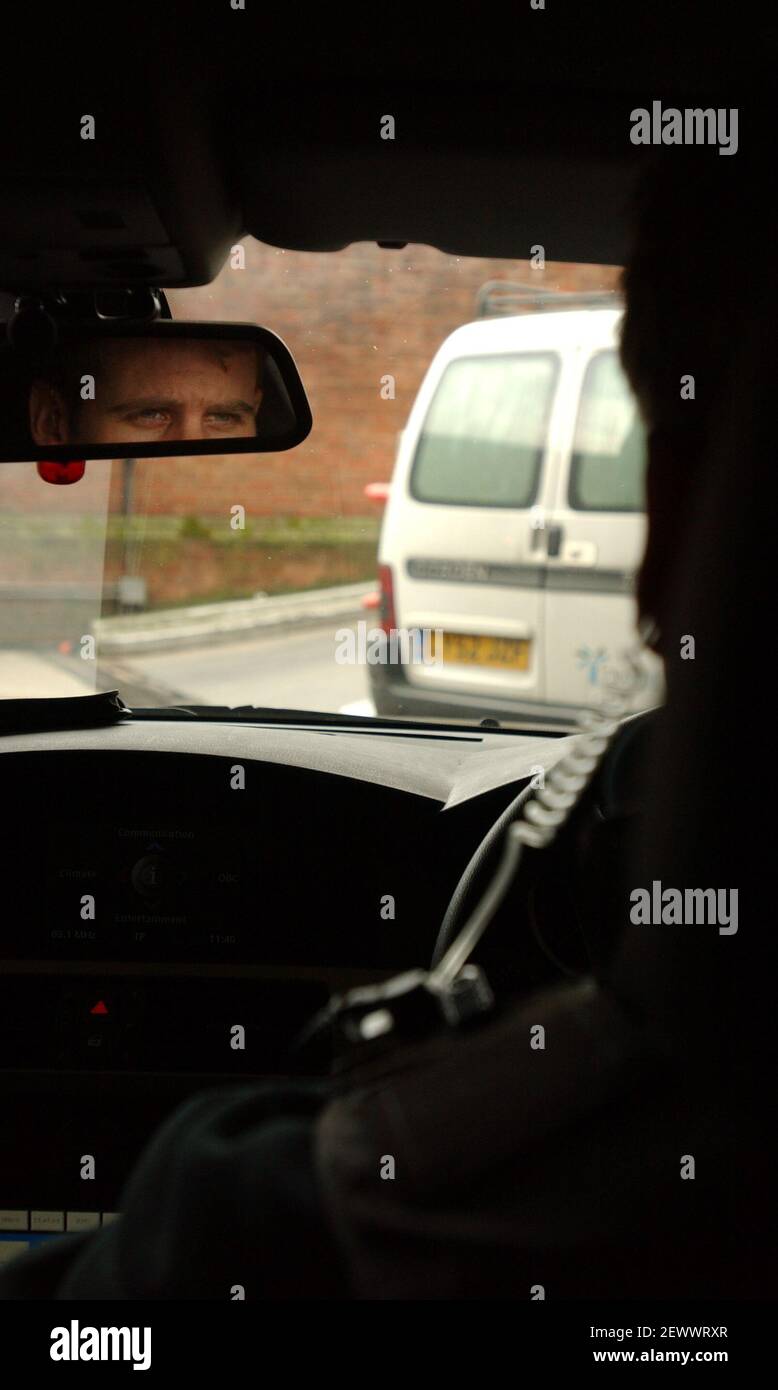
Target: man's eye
151, 418
224, 419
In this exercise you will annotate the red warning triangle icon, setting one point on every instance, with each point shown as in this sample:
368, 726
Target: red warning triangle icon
99, 1008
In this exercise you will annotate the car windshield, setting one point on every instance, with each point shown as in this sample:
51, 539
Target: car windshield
473, 479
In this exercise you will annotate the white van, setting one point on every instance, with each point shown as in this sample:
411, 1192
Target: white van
515, 523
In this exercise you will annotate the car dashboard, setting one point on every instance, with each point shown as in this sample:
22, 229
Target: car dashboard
180, 897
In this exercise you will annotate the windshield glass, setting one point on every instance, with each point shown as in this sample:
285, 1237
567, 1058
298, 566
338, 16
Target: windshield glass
425, 498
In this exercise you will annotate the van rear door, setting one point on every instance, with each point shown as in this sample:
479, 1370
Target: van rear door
597, 530
461, 532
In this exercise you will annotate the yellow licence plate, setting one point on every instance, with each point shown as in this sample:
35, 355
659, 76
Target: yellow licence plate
508, 653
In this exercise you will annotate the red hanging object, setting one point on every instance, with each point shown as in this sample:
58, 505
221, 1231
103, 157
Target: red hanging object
52, 471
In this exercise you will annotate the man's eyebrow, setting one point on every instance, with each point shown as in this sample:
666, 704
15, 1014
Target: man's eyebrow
143, 403
172, 402
233, 405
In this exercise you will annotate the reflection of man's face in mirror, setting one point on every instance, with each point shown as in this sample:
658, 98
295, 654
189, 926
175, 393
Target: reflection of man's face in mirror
150, 391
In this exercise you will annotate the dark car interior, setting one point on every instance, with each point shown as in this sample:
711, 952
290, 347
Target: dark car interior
255, 906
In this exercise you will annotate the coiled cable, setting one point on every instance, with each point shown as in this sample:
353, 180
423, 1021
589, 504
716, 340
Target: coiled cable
541, 817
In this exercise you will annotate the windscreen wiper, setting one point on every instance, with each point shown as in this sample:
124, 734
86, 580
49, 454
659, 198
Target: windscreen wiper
271, 714
62, 712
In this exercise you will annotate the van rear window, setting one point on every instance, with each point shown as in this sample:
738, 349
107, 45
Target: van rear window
483, 440
609, 454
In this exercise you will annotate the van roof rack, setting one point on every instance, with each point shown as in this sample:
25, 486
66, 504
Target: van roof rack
509, 297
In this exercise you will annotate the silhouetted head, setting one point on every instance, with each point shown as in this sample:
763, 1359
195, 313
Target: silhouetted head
689, 286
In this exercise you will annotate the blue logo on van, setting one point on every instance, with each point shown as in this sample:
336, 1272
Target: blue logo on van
591, 662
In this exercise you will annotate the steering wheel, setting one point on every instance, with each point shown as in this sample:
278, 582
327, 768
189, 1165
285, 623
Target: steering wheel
566, 896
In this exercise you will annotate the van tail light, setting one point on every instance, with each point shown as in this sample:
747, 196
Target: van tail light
377, 492
386, 590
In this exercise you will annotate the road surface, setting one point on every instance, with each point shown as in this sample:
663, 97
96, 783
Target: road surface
293, 669
288, 668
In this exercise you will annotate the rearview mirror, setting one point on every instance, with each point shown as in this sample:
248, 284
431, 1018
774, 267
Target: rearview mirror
108, 390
